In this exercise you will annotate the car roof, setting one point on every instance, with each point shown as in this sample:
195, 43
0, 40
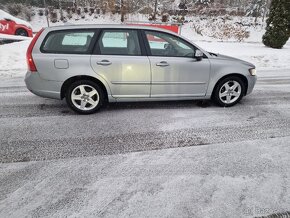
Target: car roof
110, 26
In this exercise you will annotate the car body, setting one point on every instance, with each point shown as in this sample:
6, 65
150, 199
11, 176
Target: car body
123, 63
14, 26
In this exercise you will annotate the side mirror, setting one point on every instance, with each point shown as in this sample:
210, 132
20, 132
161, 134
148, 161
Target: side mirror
7, 19
198, 55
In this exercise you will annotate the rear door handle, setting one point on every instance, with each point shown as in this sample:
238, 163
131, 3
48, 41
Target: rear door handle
104, 62
162, 64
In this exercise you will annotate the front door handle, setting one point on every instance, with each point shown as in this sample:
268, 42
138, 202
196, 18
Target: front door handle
104, 62
162, 64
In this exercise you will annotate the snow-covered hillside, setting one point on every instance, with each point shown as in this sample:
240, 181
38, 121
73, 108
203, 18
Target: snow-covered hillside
195, 27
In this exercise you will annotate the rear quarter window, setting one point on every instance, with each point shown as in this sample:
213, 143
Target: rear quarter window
68, 42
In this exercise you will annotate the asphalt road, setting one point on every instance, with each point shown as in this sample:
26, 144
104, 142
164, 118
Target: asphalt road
34, 128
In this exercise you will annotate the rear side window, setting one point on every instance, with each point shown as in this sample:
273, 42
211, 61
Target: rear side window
119, 42
68, 42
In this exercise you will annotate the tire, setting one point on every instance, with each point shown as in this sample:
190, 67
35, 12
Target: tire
84, 97
21, 32
229, 91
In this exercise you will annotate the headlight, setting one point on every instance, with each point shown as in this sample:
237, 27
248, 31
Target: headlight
253, 71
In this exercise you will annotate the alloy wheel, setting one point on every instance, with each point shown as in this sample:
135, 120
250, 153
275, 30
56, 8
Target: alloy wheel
85, 97
230, 92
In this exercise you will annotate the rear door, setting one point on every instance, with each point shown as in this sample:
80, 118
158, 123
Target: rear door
120, 59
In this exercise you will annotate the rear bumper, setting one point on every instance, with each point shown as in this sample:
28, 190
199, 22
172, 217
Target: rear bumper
41, 87
251, 83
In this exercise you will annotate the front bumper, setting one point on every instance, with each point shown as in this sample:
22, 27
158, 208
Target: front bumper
41, 87
251, 83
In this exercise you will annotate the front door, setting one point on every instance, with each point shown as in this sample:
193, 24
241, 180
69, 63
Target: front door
118, 59
175, 71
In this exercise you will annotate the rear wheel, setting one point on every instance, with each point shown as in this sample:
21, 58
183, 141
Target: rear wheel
229, 91
84, 97
21, 32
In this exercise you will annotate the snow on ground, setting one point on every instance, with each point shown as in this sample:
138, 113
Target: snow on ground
13, 37
209, 26
13, 59
263, 57
241, 179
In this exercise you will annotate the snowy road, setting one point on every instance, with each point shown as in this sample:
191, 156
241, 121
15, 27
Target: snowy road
33, 128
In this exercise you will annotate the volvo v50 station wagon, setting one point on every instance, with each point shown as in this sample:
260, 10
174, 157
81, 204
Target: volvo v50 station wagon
90, 65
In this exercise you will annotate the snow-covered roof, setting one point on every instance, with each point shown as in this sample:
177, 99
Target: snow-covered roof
4, 14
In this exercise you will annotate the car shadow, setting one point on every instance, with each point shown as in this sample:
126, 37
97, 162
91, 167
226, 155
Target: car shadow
159, 105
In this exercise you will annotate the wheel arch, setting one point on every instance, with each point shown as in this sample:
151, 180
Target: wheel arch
20, 28
69, 81
241, 76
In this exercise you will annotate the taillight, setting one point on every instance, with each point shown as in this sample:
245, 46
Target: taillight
30, 63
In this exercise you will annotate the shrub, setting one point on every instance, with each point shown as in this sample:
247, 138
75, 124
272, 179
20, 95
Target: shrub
68, 10
27, 14
40, 12
92, 10
165, 18
220, 29
15, 9
53, 16
277, 30
79, 11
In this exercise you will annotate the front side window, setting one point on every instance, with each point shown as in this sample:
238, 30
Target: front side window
72, 42
119, 42
163, 44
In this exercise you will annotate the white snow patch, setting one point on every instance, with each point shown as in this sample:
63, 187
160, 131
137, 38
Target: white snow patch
13, 59
13, 37
241, 179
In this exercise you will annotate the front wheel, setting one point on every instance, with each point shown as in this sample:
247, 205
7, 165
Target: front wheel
229, 91
84, 97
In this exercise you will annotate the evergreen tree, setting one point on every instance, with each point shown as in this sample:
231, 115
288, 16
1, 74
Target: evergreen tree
277, 30
288, 15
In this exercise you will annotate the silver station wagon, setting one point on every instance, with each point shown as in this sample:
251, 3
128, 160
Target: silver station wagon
90, 65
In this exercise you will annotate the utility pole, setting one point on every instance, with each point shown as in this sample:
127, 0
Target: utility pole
60, 10
155, 10
46, 12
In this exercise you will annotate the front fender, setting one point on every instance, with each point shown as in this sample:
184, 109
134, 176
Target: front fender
223, 69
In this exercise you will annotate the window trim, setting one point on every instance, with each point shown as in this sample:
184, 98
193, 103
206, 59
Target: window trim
148, 49
96, 49
88, 52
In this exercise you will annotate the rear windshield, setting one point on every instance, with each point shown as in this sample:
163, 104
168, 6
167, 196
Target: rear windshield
68, 42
